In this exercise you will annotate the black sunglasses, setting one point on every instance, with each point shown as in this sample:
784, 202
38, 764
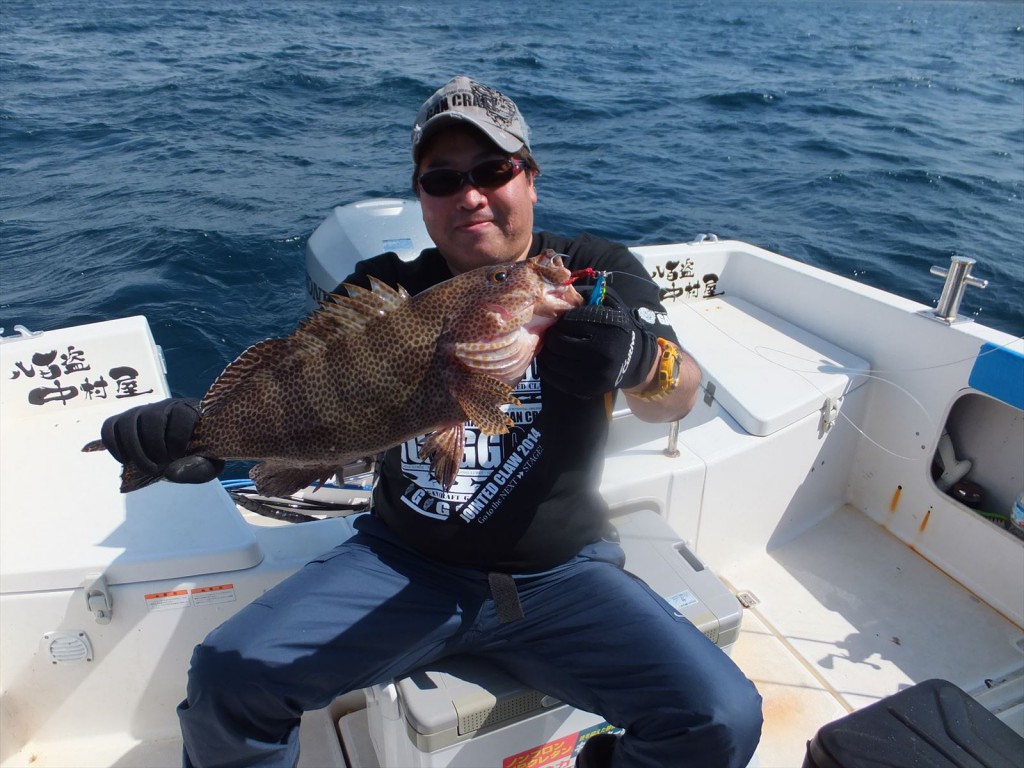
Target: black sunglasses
487, 175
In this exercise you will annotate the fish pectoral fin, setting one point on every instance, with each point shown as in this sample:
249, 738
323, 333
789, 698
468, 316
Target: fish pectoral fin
273, 479
481, 398
444, 450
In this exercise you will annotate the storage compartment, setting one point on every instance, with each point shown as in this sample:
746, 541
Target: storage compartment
980, 459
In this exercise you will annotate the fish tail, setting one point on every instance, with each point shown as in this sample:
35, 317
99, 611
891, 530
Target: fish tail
133, 478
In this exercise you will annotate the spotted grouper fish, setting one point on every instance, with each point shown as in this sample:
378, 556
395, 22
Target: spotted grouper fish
375, 368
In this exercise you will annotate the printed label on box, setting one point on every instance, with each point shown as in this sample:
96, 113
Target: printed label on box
682, 599
547, 755
560, 753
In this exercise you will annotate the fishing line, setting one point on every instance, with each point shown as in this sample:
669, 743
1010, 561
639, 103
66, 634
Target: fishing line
831, 368
817, 366
851, 372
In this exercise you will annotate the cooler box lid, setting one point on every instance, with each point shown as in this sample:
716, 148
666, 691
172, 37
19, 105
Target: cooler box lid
765, 371
62, 516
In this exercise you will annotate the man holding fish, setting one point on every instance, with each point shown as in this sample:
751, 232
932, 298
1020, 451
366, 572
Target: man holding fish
502, 550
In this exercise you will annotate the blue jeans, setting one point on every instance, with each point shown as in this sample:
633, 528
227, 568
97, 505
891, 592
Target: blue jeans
372, 610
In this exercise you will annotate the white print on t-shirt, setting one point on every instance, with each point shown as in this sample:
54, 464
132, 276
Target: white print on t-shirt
491, 466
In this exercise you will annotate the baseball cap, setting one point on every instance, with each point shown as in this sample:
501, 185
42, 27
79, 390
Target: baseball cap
467, 101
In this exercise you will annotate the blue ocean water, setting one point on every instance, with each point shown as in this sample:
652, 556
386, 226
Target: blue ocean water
171, 158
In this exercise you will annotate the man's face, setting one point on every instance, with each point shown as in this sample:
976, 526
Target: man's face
474, 227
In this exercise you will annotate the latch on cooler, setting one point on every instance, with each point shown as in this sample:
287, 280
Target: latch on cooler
829, 413
98, 598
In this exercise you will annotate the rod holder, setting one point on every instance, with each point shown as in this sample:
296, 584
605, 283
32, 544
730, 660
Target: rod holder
672, 448
958, 277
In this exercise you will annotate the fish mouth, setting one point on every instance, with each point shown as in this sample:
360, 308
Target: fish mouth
554, 301
557, 293
557, 299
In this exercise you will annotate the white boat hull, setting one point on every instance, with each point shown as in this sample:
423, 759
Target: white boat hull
803, 478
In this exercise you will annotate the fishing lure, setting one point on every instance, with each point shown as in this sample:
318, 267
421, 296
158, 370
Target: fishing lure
600, 287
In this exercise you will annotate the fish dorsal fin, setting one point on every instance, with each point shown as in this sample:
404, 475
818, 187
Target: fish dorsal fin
351, 313
337, 314
394, 298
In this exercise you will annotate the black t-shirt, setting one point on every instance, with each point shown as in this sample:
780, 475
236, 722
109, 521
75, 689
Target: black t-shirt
527, 500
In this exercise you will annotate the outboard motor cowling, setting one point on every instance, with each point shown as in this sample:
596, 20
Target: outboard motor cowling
358, 231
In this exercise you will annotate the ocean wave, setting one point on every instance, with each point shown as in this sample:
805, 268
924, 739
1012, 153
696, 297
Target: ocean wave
107, 27
739, 100
825, 147
829, 110
289, 78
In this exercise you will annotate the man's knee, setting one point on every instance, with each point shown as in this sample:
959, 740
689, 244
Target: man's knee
233, 661
720, 727
219, 671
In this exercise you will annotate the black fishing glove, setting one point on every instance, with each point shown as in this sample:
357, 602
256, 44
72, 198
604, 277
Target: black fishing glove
154, 438
596, 348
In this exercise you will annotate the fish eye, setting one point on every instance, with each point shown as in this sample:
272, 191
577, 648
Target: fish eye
498, 276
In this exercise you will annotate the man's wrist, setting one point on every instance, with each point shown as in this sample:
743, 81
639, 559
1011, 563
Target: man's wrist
666, 374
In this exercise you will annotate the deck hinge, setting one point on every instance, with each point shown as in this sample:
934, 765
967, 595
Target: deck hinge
709, 393
747, 599
829, 413
98, 598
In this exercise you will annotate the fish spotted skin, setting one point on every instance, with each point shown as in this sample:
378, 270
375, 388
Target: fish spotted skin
373, 369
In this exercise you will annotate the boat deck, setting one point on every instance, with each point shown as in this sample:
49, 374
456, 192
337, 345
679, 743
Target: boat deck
846, 614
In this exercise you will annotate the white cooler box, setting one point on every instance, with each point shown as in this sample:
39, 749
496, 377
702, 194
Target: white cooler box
464, 712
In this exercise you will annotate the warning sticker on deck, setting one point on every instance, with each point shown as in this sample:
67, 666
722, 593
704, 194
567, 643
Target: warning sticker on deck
163, 601
222, 593
184, 598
